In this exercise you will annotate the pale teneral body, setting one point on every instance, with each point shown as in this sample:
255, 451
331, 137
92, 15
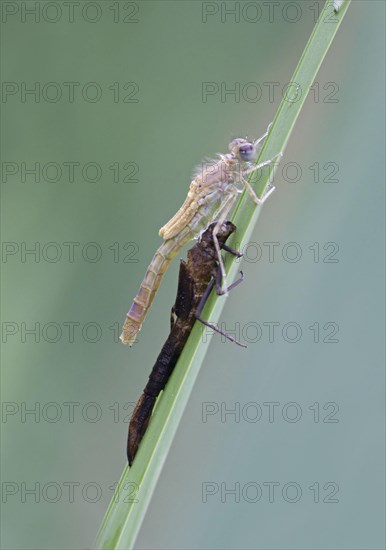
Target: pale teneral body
212, 194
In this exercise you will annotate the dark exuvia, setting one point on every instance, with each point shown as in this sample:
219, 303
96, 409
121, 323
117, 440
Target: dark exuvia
196, 279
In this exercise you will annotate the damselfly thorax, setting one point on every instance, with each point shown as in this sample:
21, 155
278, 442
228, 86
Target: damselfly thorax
214, 182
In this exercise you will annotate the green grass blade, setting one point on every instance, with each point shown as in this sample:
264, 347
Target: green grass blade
126, 512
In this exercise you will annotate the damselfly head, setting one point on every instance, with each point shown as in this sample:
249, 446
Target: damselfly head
243, 149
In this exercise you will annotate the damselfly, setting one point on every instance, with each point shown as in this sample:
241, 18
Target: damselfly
212, 194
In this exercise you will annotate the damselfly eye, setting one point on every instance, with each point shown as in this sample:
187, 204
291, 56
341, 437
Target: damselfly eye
247, 152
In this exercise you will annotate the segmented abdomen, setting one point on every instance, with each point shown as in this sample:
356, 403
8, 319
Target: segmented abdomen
159, 264
150, 284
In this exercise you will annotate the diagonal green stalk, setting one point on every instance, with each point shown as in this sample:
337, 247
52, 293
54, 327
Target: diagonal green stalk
126, 512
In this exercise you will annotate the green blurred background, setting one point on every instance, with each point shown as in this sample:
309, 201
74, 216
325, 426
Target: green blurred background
162, 125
